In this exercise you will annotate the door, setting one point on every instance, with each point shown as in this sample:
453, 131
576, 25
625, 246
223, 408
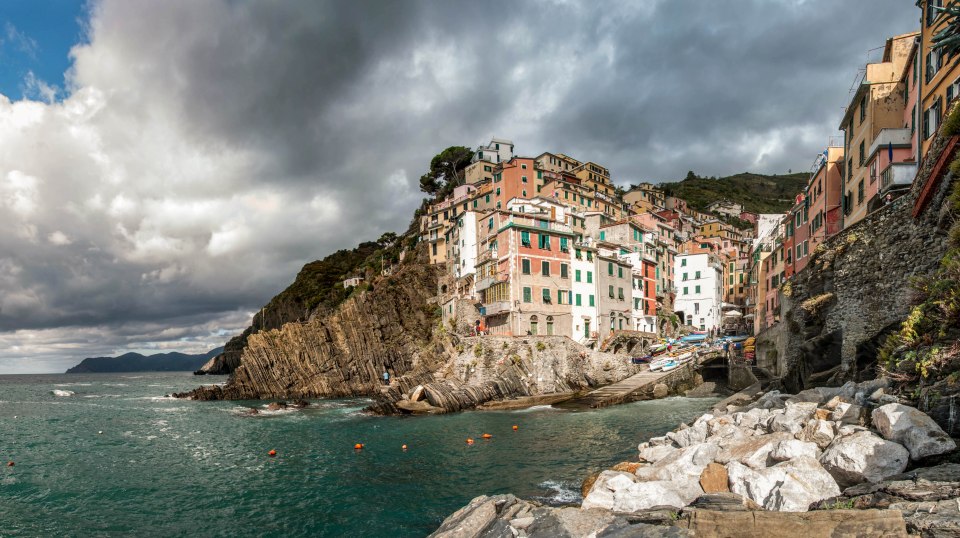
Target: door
586, 329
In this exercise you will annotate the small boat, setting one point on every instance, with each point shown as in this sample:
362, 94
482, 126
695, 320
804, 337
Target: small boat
670, 365
658, 364
641, 360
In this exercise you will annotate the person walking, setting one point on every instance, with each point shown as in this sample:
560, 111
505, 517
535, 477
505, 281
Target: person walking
386, 378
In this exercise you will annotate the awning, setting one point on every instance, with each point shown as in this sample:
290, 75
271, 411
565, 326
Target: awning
733, 314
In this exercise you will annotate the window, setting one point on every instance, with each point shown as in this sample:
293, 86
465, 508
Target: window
563, 245
696, 308
591, 300
576, 275
564, 271
696, 289
620, 293
490, 224
934, 63
539, 174
498, 191
578, 254
545, 268
475, 204
619, 272
931, 119
860, 192
589, 257
603, 235
861, 152
589, 277
524, 166
931, 12
546, 296
863, 108
685, 292
799, 251
544, 242
683, 262
533, 325
684, 276
560, 296
487, 199
488, 169
611, 291
525, 239
527, 295
525, 266
577, 299
523, 193
610, 268
523, 179
696, 275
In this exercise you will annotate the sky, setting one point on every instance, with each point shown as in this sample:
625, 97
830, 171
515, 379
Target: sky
167, 167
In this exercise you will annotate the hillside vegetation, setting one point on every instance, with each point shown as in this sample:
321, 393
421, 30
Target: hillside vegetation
757, 192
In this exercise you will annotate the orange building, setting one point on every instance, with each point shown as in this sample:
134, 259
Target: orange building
939, 84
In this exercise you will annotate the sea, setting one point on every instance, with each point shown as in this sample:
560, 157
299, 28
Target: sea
113, 455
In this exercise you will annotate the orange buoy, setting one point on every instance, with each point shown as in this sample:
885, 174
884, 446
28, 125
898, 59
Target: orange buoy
272, 453
469, 441
9, 464
358, 446
515, 428
486, 436
404, 447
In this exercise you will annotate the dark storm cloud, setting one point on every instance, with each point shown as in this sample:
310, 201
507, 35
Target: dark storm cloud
207, 150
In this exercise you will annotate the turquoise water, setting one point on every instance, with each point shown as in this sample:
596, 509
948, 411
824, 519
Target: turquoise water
167, 467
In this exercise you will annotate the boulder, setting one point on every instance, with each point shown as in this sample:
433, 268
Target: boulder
846, 413
820, 432
809, 395
627, 466
646, 495
834, 523
605, 488
791, 486
751, 418
770, 400
832, 403
714, 478
654, 454
822, 414
660, 391
754, 452
683, 468
863, 457
693, 435
417, 394
727, 502
792, 449
471, 520
794, 417
913, 429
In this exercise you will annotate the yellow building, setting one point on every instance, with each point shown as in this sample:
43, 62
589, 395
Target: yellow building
940, 81
877, 104
645, 197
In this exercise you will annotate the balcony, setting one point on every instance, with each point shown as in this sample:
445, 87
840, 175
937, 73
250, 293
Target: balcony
434, 224
537, 223
897, 175
500, 307
486, 255
488, 281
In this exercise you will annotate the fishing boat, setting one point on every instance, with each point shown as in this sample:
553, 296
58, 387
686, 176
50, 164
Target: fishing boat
641, 360
658, 363
670, 365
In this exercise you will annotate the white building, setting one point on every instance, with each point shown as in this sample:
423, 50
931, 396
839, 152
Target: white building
499, 150
584, 291
466, 259
698, 279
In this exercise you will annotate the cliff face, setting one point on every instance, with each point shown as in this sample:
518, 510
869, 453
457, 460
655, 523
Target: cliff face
342, 353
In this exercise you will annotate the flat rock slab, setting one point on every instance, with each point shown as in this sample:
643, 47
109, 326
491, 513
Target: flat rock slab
832, 523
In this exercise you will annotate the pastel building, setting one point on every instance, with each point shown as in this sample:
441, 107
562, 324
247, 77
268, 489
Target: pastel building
584, 307
699, 293
824, 191
499, 150
615, 291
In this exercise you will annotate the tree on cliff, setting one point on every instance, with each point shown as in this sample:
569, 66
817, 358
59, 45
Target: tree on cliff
446, 171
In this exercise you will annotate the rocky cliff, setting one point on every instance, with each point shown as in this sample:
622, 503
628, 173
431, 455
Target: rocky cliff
343, 352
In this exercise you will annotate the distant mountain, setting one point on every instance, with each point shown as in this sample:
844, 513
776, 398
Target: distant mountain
135, 362
757, 192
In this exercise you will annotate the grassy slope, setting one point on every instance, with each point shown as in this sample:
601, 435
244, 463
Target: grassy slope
757, 192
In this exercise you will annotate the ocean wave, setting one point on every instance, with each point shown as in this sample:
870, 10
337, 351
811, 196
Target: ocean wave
560, 493
115, 385
58, 392
537, 408
73, 384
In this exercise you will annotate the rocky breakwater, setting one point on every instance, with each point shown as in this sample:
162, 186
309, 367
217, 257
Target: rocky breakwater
824, 462
503, 372
342, 353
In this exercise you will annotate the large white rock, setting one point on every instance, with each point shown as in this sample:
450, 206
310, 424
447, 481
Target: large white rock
689, 461
751, 418
818, 431
863, 457
753, 452
693, 435
789, 486
913, 429
604, 490
654, 454
645, 495
792, 449
846, 413
794, 417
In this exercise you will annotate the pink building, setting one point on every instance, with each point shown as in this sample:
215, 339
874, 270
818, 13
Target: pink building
749, 216
824, 192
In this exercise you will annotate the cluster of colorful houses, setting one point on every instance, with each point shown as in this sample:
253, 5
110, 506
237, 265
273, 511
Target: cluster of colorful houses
548, 245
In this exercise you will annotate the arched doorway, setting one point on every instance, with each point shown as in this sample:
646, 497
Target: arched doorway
549, 325
534, 322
